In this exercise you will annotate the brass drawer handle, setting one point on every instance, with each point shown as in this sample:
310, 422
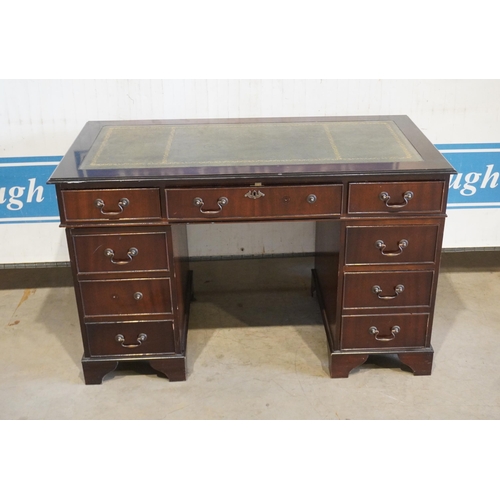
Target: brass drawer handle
132, 252
402, 244
222, 202
121, 205
385, 197
138, 295
312, 199
397, 290
142, 337
394, 331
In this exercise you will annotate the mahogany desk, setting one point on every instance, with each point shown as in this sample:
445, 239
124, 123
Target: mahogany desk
375, 187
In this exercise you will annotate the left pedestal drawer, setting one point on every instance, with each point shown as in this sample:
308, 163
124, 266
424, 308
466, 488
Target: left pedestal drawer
84, 205
126, 297
130, 338
120, 251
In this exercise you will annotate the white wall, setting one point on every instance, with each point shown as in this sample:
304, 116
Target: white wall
43, 117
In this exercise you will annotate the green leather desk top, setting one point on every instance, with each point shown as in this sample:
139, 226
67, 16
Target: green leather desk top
160, 146
184, 149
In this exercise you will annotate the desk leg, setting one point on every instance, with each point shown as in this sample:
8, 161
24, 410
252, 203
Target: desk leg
174, 368
342, 364
419, 362
95, 371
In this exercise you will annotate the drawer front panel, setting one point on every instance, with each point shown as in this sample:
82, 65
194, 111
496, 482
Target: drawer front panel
391, 244
111, 204
253, 202
384, 331
126, 297
388, 289
390, 197
146, 337
121, 252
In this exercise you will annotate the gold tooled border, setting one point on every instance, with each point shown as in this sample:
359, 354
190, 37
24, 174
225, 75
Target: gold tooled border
94, 163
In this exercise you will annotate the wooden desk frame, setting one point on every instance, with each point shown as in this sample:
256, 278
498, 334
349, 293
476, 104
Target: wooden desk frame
379, 229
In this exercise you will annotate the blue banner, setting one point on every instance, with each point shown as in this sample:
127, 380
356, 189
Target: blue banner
24, 193
477, 182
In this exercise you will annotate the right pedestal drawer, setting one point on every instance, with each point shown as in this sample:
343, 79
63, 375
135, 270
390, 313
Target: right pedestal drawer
389, 197
384, 331
391, 244
389, 283
388, 289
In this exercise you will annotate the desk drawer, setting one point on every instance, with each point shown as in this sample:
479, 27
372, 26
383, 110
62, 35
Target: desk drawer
111, 204
391, 244
126, 297
384, 331
120, 252
254, 202
145, 337
388, 289
390, 197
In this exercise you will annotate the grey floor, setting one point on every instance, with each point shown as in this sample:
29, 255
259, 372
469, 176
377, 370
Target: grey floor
256, 350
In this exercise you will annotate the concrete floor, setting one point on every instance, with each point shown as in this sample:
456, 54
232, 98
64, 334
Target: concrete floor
256, 354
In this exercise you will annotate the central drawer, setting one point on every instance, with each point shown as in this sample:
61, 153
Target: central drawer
254, 202
126, 297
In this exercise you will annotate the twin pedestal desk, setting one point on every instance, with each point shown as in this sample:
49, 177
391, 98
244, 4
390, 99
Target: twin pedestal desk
375, 187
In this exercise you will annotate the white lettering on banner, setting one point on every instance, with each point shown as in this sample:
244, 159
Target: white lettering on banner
14, 195
39, 191
472, 178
